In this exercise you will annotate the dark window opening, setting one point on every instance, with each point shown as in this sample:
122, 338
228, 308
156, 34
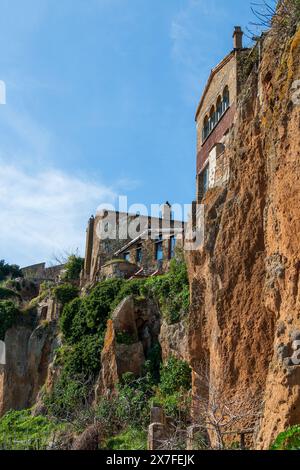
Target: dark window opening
127, 256
206, 179
159, 252
139, 255
172, 246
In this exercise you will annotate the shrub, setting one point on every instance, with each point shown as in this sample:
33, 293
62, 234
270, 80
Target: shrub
173, 389
73, 268
98, 304
84, 357
65, 293
73, 322
8, 316
288, 440
130, 407
171, 291
69, 395
153, 363
128, 288
175, 375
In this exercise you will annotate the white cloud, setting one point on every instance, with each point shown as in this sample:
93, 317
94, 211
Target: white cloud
45, 212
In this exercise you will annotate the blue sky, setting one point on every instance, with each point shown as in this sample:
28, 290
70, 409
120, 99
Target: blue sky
101, 97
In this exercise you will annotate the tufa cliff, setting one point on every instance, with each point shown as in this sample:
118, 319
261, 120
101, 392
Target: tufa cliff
245, 284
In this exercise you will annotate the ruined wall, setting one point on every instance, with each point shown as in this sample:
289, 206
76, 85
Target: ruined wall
245, 280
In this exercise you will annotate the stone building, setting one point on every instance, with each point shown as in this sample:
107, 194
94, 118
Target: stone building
215, 117
119, 244
39, 272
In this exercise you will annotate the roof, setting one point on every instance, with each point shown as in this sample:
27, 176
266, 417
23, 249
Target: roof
158, 231
104, 212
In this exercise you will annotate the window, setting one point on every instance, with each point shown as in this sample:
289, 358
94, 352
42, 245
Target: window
205, 131
219, 108
127, 256
159, 254
138, 256
172, 246
226, 99
212, 119
206, 179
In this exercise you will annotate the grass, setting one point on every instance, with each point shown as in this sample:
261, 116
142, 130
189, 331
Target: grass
19, 430
130, 439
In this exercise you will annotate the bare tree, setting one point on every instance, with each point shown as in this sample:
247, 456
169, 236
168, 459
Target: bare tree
219, 416
280, 15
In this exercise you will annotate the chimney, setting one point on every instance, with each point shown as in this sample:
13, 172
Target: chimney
166, 211
238, 38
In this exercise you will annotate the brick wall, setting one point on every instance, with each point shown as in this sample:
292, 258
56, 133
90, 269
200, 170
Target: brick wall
215, 137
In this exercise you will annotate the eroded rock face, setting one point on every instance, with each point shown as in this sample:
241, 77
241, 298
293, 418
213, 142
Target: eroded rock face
130, 335
173, 340
245, 282
28, 355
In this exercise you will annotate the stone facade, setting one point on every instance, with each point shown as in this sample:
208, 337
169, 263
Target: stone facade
127, 245
215, 117
39, 273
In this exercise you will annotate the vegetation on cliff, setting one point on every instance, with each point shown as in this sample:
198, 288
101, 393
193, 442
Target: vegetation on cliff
288, 440
8, 316
11, 271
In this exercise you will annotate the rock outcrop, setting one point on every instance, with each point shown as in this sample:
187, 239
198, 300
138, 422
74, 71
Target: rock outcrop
28, 356
131, 333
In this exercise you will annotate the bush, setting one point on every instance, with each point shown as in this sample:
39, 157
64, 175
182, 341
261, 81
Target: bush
73, 322
98, 304
8, 316
19, 430
175, 375
128, 288
173, 389
73, 268
288, 440
130, 407
84, 357
65, 293
69, 395
171, 291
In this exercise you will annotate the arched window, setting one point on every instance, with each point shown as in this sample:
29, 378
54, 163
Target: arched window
225, 99
205, 130
212, 119
219, 108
